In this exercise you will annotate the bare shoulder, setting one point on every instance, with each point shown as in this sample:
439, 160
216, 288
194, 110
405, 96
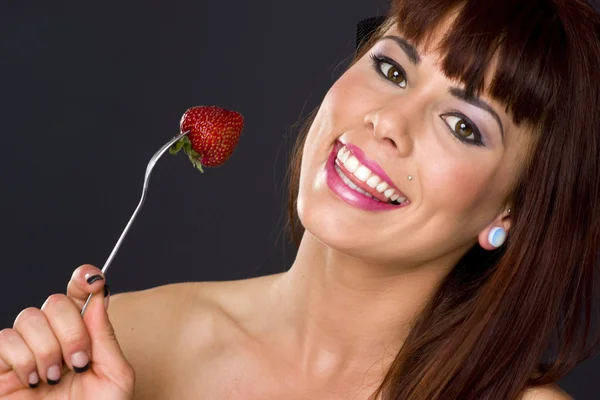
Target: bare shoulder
156, 323
154, 315
149, 327
546, 392
167, 331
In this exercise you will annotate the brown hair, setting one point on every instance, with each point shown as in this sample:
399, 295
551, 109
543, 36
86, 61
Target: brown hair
520, 316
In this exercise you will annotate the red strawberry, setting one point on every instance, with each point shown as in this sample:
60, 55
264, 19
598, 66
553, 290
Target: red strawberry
214, 133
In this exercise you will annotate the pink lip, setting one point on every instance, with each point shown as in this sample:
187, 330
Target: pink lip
350, 196
372, 165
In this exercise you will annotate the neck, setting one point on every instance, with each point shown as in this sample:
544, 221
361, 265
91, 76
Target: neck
340, 315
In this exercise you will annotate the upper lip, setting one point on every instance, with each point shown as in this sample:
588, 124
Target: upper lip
372, 165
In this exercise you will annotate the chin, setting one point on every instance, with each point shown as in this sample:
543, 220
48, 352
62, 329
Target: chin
332, 225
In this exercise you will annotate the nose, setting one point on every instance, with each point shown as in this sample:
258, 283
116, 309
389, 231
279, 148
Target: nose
391, 125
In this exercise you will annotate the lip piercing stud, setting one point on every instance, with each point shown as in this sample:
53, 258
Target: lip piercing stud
410, 178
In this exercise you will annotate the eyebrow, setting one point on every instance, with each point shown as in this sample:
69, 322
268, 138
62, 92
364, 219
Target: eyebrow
410, 50
477, 102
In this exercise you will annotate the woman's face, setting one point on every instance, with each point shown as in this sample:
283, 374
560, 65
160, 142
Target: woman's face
397, 108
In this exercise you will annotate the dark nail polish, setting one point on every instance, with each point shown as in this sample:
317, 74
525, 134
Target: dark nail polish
106, 290
34, 385
94, 278
79, 370
51, 382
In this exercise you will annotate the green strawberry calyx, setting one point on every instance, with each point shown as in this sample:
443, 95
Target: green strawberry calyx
186, 144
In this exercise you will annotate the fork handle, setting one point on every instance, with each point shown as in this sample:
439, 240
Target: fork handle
151, 164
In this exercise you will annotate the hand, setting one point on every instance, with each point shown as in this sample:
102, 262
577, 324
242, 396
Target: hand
69, 357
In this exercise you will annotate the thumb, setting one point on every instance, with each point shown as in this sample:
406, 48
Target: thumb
108, 359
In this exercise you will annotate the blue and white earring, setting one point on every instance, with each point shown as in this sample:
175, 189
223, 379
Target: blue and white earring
497, 237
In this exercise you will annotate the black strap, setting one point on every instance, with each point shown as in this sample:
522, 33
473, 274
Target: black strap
366, 27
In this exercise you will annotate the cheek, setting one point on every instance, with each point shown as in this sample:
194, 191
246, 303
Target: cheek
337, 114
346, 100
459, 186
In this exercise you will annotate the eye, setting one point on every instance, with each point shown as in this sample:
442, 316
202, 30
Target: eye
462, 127
389, 69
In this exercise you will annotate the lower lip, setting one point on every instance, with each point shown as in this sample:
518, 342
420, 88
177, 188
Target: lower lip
349, 195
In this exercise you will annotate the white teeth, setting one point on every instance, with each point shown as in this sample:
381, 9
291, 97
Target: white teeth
382, 187
352, 164
359, 190
362, 173
388, 193
343, 154
373, 181
347, 181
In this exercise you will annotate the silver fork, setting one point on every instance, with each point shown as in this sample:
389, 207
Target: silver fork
151, 164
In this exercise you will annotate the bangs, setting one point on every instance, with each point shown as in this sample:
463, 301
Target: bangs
524, 41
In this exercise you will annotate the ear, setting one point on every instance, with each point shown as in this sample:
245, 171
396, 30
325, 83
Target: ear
503, 220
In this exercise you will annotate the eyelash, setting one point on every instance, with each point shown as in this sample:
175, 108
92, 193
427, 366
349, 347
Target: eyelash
378, 59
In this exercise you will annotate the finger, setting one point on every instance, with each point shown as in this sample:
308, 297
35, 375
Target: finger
16, 356
109, 360
35, 330
65, 320
86, 279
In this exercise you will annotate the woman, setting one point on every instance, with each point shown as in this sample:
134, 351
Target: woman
448, 192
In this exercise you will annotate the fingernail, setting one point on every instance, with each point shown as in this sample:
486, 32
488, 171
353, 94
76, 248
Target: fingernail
93, 279
34, 380
53, 374
80, 362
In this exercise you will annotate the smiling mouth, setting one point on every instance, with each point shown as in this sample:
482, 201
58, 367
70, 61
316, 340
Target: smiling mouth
361, 179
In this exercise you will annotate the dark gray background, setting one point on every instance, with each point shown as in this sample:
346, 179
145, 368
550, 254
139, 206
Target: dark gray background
91, 90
